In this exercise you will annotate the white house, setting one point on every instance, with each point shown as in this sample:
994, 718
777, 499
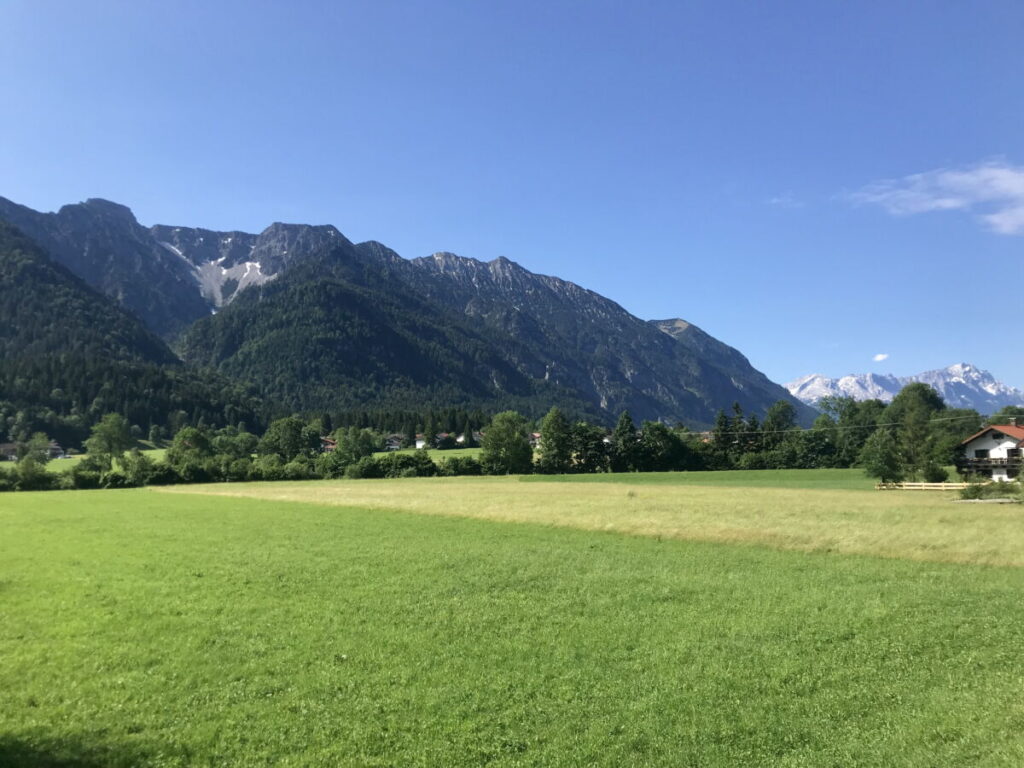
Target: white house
994, 451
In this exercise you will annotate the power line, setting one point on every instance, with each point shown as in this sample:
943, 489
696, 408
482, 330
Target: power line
834, 428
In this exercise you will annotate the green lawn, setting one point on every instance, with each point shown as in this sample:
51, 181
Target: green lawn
436, 454
66, 464
178, 628
839, 479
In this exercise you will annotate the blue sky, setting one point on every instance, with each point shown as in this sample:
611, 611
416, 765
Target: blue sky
816, 183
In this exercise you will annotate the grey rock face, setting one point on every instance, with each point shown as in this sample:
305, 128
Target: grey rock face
582, 340
102, 243
543, 328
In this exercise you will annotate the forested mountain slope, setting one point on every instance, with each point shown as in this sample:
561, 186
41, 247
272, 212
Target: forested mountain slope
70, 354
318, 322
339, 331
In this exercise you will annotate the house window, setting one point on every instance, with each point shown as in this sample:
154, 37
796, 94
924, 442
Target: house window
981, 453
1013, 453
997, 435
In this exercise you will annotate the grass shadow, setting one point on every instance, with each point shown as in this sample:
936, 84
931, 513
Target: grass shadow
69, 753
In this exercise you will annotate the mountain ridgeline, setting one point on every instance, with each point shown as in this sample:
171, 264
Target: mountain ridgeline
315, 321
70, 354
961, 385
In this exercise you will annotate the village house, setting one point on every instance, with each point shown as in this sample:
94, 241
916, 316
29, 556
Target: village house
477, 437
993, 452
9, 451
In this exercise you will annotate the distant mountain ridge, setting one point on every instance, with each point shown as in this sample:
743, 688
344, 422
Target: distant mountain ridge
961, 385
316, 321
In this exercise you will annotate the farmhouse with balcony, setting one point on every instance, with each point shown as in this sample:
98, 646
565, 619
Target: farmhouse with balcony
994, 452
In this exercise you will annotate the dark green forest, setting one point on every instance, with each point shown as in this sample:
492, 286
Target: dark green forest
336, 333
70, 355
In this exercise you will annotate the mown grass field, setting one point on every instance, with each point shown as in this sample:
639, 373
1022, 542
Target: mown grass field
809, 510
68, 463
437, 455
385, 623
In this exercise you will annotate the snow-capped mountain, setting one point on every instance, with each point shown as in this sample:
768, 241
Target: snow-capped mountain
962, 386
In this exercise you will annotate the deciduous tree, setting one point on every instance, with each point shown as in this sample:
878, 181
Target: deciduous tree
506, 446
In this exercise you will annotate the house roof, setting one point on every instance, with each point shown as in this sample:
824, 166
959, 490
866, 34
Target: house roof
1017, 433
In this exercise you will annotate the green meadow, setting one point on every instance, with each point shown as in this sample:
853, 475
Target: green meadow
805, 621
437, 454
70, 462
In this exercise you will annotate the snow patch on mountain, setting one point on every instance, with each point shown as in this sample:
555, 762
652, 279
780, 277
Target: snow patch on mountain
961, 385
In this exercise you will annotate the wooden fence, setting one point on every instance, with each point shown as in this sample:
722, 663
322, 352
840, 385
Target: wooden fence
920, 486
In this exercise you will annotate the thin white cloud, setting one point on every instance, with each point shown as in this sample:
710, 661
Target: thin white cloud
880, 357
785, 200
993, 191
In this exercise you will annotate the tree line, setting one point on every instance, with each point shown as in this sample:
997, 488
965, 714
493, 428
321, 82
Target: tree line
914, 436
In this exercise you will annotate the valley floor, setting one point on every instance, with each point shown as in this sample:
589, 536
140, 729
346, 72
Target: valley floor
407, 623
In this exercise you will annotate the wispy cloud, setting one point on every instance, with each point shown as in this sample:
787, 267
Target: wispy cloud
992, 190
785, 200
880, 357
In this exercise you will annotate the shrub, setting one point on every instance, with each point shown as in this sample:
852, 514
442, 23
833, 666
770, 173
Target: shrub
269, 467
297, 470
990, 490
933, 473
84, 477
752, 461
137, 468
115, 478
163, 473
418, 464
30, 475
195, 472
459, 465
238, 470
366, 467
333, 465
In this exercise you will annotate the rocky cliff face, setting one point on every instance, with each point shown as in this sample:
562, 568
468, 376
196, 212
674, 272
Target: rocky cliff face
511, 333
225, 263
579, 339
103, 244
167, 276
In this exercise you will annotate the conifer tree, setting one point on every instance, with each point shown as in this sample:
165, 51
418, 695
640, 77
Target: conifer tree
555, 444
625, 445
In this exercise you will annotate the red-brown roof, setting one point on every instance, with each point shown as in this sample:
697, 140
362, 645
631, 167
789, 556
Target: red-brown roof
1017, 433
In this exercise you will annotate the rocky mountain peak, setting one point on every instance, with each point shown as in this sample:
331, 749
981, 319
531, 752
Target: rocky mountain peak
961, 385
674, 326
102, 207
101, 242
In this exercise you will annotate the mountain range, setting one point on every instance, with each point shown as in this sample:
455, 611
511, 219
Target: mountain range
961, 385
315, 321
68, 355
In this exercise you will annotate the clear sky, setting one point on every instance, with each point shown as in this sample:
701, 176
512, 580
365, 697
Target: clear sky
816, 183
